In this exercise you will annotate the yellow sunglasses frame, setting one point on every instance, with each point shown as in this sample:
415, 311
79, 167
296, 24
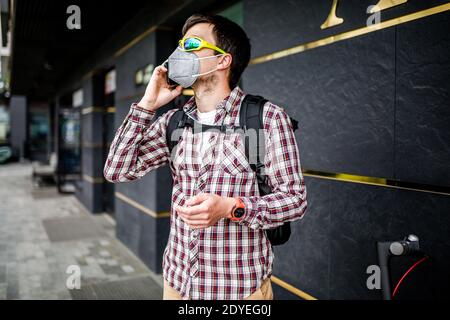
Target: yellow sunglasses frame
203, 44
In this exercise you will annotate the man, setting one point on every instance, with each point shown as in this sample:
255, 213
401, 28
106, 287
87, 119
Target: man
212, 252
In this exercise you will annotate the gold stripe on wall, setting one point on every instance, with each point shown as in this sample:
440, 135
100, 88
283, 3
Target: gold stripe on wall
350, 34
140, 207
92, 180
291, 288
88, 110
381, 182
111, 109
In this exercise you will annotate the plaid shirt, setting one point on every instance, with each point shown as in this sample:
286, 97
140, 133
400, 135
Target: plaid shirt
228, 260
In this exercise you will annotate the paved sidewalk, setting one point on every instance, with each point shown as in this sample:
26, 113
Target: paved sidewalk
43, 233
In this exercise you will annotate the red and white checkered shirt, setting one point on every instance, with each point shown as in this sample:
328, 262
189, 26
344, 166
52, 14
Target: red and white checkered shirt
228, 260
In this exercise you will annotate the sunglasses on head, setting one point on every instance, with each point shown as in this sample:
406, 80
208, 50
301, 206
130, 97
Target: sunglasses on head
196, 43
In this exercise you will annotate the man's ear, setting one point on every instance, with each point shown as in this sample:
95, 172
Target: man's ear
225, 62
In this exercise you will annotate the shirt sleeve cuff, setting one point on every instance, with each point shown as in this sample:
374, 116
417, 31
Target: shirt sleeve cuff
254, 211
140, 115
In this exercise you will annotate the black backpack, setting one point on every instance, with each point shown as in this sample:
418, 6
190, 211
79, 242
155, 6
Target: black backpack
250, 117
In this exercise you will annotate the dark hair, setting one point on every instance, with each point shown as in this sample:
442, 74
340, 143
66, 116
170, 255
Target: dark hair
230, 37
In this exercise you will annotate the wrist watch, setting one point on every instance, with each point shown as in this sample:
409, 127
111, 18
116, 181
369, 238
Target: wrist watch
238, 210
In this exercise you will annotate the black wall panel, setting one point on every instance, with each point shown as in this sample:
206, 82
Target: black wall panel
304, 261
423, 95
343, 98
374, 105
335, 242
91, 161
277, 25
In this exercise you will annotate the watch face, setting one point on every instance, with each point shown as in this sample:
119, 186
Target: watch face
239, 212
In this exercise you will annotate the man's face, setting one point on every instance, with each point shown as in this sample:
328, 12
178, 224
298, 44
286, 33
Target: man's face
205, 31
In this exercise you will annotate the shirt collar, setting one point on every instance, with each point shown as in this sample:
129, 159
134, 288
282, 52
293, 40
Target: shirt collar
229, 103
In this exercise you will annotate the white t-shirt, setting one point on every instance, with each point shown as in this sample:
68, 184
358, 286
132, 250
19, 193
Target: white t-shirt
205, 118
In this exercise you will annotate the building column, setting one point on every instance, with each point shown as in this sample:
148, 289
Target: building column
90, 189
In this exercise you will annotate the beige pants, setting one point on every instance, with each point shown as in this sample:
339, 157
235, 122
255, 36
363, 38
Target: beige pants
263, 293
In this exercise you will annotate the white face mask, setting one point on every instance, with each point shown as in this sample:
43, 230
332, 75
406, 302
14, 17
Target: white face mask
184, 67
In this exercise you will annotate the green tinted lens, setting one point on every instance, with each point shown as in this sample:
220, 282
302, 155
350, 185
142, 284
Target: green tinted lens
192, 43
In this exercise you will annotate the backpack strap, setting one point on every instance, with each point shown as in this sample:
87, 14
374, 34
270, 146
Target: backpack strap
251, 117
176, 121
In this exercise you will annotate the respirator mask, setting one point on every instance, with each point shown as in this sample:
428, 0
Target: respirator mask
184, 66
